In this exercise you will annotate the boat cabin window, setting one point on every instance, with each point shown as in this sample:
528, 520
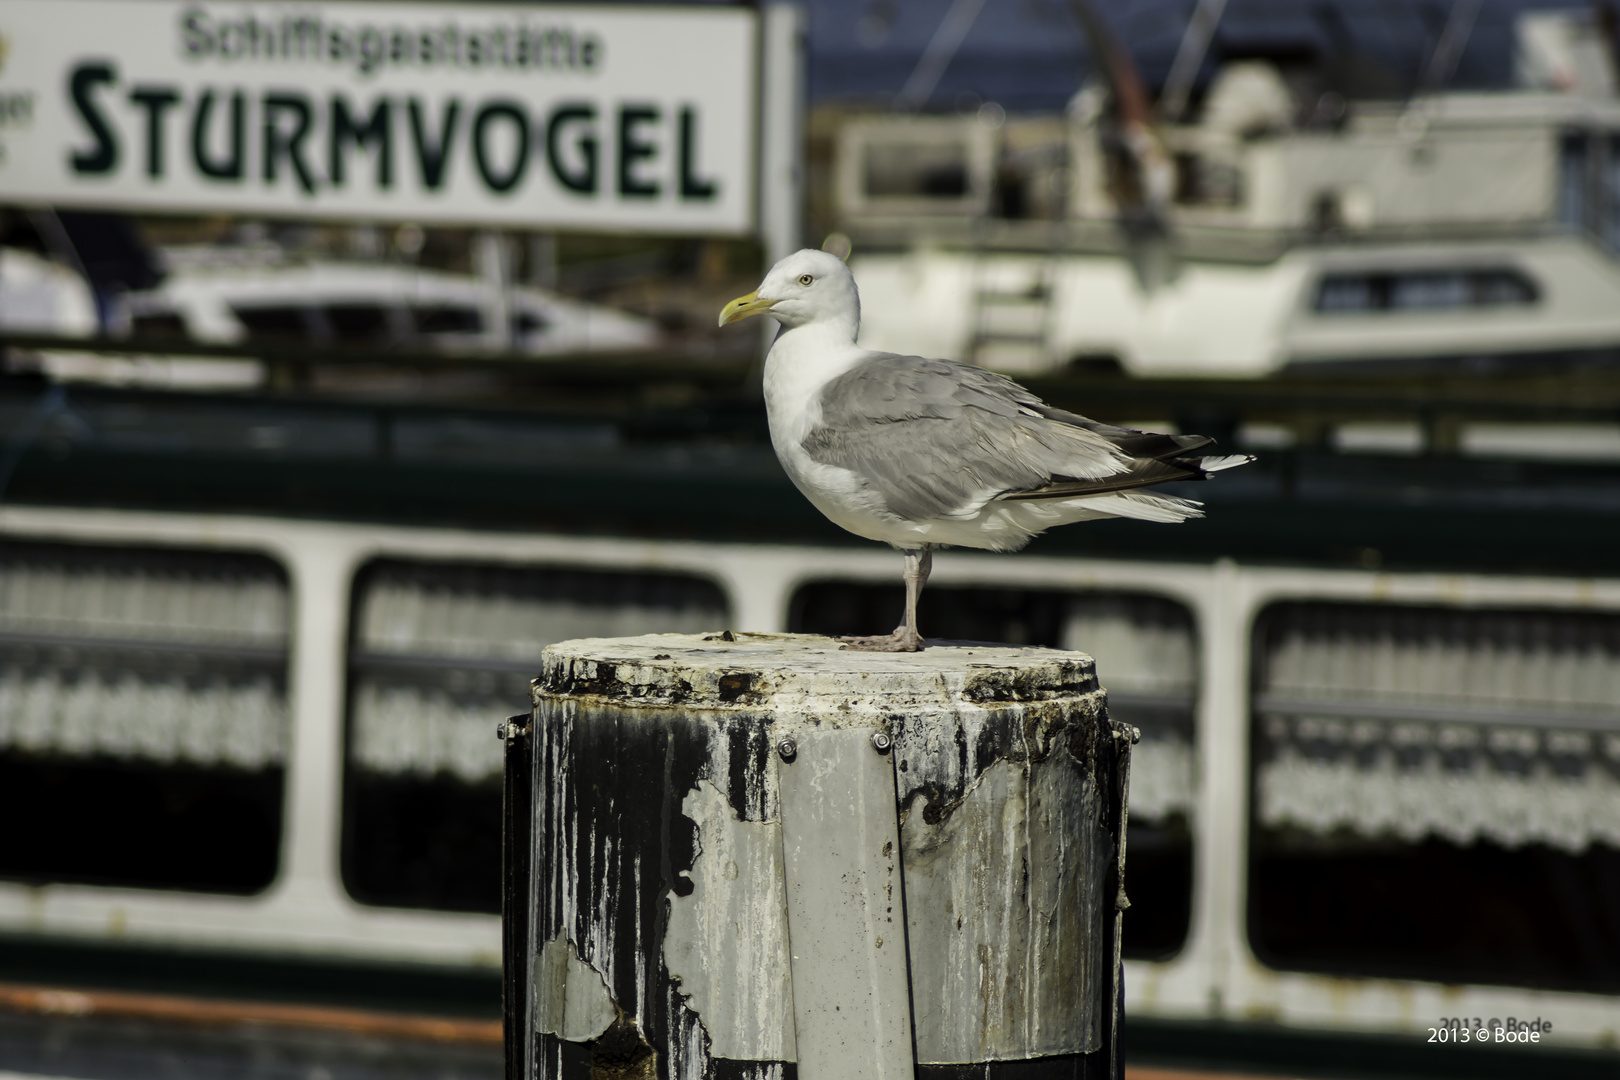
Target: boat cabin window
1202, 181
278, 322
931, 170
447, 319
1146, 652
1408, 762
158, 324
1589, 185
440, 653
357, 322
143, 717
529, 322
1425, 290
910, 164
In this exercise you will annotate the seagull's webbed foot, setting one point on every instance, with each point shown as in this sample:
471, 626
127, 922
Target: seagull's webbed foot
904, 639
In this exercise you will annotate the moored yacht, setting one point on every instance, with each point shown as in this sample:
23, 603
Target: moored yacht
1282, 225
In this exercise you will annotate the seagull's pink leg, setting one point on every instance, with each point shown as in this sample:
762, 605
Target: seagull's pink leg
919, 564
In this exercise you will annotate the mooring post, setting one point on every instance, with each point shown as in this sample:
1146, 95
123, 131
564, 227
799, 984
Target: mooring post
755, 850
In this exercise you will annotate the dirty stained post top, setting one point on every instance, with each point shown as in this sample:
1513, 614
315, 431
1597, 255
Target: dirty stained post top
814, 672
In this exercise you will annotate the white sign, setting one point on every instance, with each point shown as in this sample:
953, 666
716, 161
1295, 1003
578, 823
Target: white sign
585, 116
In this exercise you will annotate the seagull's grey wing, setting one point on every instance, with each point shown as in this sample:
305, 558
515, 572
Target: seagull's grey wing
935, 438
1147, 444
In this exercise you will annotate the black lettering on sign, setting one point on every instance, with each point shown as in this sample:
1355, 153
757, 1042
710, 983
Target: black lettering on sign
157, 101
692, 186
433, 154
512, 112
232, 41
303, 35
196, 31
376, 131
82, 84
372, 48
279, 143
633, 150
339, 44
579, 117
232, 165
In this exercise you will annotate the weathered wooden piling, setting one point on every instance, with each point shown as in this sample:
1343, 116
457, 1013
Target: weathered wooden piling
764, 856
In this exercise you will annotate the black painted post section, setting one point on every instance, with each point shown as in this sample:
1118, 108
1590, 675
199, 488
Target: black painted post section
517, 819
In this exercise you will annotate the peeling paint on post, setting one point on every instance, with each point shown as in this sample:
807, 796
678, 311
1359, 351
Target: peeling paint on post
703, 901
571, 1000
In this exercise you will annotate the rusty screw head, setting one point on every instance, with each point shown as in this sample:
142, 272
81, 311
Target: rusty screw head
881, 742
788, 749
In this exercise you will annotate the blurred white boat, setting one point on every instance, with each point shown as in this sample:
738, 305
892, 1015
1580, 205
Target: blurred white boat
257, 295
1286, 225
226, 297
39, 296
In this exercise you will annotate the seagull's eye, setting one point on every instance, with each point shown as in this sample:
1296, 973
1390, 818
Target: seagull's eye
805, 279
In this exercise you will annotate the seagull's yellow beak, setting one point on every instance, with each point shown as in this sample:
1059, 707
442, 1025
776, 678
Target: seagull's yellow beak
742, 307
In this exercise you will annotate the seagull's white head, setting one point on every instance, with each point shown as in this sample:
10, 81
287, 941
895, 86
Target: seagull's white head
806, 287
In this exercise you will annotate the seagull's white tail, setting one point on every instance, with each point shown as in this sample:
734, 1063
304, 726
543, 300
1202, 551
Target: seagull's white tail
1008, 525
1143, 506
1227, 461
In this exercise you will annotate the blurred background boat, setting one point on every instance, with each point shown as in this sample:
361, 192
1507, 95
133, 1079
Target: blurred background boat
1294, 211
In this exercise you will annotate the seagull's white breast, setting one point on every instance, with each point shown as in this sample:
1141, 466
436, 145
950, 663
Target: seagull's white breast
800, 364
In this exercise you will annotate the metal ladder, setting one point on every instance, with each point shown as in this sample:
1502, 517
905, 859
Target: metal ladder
1012, 313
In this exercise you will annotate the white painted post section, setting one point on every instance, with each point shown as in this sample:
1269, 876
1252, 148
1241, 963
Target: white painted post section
846, 924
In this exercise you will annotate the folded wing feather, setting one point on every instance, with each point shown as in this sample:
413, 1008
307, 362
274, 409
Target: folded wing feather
936, 438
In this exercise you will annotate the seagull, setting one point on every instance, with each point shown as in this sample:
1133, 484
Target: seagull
921, 453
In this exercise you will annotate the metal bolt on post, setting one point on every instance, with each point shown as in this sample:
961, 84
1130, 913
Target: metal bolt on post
747, 851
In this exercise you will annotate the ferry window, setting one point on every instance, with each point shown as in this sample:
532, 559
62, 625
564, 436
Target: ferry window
440, 654
143, 717
1146, 653
1436, 794
447, 319
1436, 290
